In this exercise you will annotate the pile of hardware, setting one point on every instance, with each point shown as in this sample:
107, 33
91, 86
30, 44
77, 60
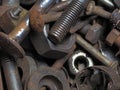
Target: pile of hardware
59, 44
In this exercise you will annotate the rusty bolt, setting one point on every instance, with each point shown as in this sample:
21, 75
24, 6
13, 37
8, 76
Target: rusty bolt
93, 9
11, 73
10, 42
114, 17
64, 23
96, 53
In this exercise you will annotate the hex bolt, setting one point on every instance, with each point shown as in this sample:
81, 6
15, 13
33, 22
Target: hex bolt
15, 12
114, 17
64, 23
10, 43
95, 52
11, 73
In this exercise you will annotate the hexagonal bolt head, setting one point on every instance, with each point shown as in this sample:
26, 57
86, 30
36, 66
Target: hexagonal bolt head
46, 48
93, 35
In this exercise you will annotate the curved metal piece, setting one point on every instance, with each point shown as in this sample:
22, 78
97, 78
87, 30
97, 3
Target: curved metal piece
49, 78
112, 77
79, 61
27, 66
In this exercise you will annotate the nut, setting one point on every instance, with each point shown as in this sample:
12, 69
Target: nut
79, 61
112, 36
94, 34
46, 48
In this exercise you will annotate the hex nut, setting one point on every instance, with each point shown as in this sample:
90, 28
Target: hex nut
94, 34
112, 36
46, 48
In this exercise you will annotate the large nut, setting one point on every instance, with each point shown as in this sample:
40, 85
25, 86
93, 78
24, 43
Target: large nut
46, 48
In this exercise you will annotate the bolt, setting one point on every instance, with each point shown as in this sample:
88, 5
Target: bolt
64, 23
10, 42
95, 52
114, 17
11, 73
15, 12
93, 9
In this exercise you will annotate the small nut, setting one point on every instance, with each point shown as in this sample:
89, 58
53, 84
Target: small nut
112, 36
79, 61
93, 35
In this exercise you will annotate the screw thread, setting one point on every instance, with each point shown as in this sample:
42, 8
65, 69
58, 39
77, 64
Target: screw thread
64, 23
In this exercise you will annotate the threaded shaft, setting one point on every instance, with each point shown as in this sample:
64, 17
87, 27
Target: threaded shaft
11, 73
64, 23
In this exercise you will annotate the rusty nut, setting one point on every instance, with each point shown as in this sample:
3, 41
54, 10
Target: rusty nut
46, 48
93, 35
112, 36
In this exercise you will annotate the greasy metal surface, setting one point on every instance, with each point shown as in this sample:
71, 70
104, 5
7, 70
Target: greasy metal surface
95, 52
21, 31
47, 49
49, 78
11, 74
